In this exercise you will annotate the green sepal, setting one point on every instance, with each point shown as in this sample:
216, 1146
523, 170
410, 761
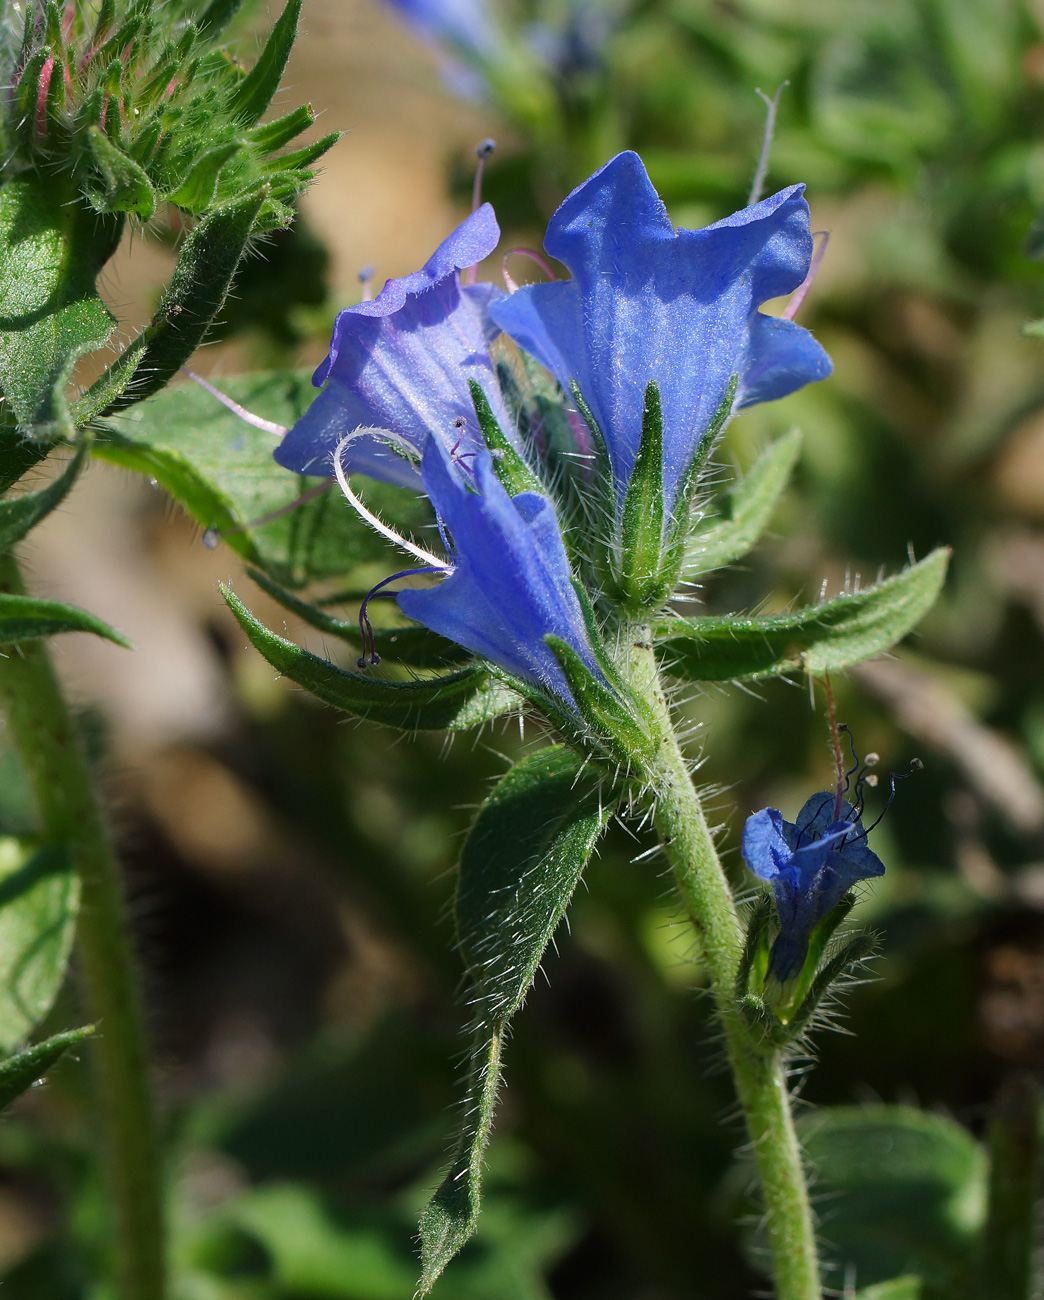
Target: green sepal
202, 277
521, 863
254, 93
24, 618
52, 247
299, 159
216, 17
196, 191
746, 511
612, 715
818, 638
603, 501
417, 646
125, 185
640, 580
273, 135
20, 514
754, 957
514, 474
851, 953
18, 1073
786, 999
452, 702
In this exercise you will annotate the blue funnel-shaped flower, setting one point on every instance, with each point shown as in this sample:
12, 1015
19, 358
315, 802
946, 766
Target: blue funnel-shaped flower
647, 303
401, 364
510, 584
810, 863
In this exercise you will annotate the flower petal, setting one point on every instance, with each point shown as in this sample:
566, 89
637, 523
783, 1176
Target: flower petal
781, 358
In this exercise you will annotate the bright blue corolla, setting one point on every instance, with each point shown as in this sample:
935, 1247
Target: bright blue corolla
466, 24
510, 583
811, 863
647, 302
401, 363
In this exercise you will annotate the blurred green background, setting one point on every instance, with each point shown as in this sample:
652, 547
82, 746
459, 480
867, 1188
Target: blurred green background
290, 872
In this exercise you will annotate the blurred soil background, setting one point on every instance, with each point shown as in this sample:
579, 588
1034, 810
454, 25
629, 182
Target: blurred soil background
290, 873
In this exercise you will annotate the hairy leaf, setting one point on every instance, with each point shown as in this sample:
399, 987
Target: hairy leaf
19, 1072
523, 857
455, 701
819, 638
747, 510
51, 250
20, 514
221, 471
39, 897
24, 618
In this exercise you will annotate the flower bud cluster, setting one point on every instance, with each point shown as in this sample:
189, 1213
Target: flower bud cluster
138, 104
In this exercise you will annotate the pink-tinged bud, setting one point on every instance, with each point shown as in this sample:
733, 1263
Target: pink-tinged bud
68, 18
41, 97
171, 86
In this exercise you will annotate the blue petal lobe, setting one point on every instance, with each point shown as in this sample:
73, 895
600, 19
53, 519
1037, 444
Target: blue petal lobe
781, 358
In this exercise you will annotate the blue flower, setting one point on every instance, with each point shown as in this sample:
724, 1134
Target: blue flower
466, 24
510, 583
811, 863
647, 302
401, 364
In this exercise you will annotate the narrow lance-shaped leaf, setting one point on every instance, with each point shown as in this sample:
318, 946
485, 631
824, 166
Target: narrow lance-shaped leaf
455, 701
20, 514
202, 276
39, 898
522, 860
51, 250
818, 638
23, 618
748, 509
19, 1072
254, 93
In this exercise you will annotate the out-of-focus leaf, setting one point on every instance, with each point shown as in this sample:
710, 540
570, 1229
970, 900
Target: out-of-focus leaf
747, 510
453, 702
20, 514
907, 1193
221, 470
521, 862
51, 250
819, 638
23, 618
417, 646
18, 1073
899, 1288
39, 897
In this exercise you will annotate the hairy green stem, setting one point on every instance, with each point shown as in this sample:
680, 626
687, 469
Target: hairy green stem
760, 1078
43, 732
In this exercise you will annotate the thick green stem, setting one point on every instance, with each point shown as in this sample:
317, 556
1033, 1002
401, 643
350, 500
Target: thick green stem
760, 1078
42, 730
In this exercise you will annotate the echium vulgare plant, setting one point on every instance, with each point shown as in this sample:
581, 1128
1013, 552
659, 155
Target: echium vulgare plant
113, 113
559, 433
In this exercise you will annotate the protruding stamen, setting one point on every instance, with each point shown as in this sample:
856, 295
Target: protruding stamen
534, 256
248, 417
418, 552
212, 536
771, 108
365, 275
798, 296
483, 150
369, 657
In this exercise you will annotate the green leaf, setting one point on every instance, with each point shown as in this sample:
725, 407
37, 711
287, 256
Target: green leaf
202, 277
24, 618
908, 1287
254, 93
523, 857
39, 897
747, 510
455, 701
221, 471
819, 638
196, 192
907, 1193
51, 250
1009, 1243
19, 1072
417, 646
125, 184
20, 514
638, 568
